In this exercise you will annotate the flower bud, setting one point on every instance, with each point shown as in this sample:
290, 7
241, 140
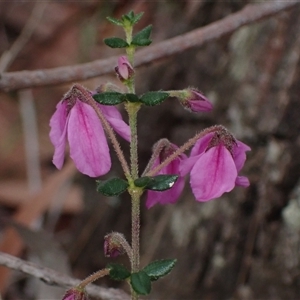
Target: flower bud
113, 244
75, 294
124, 69
195, 101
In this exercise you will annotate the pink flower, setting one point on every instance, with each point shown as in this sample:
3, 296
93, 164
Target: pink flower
214, 164
76, 121
171, 195
124, 69
75, 294
195, 101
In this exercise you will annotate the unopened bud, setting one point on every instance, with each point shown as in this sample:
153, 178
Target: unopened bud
124, 69
113, 244
75, 294
195, 101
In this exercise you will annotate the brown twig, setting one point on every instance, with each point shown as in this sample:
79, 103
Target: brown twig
52, 277
8, 56
248, 15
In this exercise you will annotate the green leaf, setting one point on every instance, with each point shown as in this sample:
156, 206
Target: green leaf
154, 98
118, 272
142, 37
130, 18
109, 98
112, 187
115, 42
115, 21
132, 98
161, 182
156, 183
140, 283
143, 181
159, 268
137, 18
130, 15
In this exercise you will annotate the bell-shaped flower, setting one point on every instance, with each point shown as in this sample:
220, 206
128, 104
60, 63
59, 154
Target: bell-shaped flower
76, 121
173, 168
214, 164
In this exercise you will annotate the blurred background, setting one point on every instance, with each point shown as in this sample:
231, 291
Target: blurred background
244, 245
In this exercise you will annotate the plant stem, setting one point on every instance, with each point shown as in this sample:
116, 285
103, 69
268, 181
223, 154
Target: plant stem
132, 109
135, 233
93, 277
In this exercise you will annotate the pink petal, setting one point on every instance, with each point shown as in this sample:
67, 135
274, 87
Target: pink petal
188, 164
58, 123
58, 133
200, 105
198, 149
124, 67
88, 144
213, 174
242, 181
240, 155
114, 117
201, 144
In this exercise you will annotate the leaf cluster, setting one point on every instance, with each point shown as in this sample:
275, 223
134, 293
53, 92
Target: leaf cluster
149, 99
142, 38
116, 186
141, 281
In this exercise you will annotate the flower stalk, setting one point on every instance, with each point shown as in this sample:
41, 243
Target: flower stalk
93, 277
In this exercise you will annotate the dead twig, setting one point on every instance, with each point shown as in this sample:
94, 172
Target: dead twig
52, 277
8, 56
250, 14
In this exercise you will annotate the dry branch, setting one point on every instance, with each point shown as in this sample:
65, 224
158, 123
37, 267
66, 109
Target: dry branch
52, 277
248, 15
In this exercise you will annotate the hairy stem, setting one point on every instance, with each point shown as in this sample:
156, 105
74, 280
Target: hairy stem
135, 233
132, 109
93, 277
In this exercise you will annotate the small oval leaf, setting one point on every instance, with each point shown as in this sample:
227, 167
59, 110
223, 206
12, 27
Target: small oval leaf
161, 182
112, 187
137, 17
141, 283
115, 42
142, 37
109, 98
114, 21
118, 272
159, 268
132, 98
154, 98
143, 181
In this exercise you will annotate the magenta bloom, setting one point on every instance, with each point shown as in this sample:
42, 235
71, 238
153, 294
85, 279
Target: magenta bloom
214, 164
76, 121
171, 195
195, 101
